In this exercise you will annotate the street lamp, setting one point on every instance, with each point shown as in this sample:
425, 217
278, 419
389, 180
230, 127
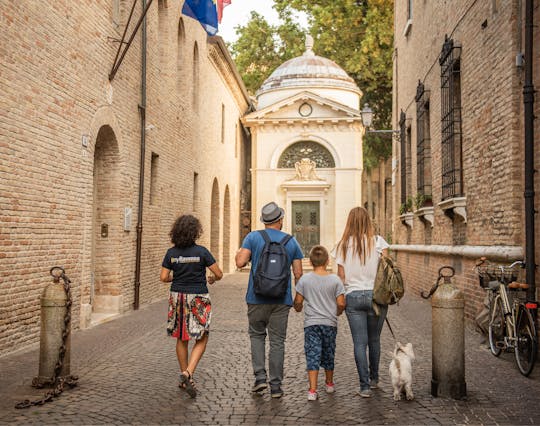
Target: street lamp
367, 120
367, 116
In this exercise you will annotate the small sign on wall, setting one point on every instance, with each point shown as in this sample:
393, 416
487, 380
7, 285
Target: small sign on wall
127, 218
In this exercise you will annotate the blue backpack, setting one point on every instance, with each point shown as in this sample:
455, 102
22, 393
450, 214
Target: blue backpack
271, 278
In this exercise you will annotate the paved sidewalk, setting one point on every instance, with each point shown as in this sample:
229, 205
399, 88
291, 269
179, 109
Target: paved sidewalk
128, 375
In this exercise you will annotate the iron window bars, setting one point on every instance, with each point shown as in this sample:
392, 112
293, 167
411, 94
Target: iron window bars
403, 156
423, 142
451, 137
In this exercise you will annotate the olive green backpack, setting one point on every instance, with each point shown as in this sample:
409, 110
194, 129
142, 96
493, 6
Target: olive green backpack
388, 288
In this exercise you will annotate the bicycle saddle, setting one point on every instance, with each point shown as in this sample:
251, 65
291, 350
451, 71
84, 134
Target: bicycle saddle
518, 285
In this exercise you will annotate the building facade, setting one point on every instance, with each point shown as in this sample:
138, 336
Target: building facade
307, 147
457, 169
71, 144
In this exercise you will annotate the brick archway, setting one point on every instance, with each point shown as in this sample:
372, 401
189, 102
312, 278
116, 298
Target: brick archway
105, 278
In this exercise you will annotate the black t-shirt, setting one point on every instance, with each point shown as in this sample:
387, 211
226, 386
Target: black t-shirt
189, 268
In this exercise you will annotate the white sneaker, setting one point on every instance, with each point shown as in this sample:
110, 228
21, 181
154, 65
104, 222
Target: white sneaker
374, 384
312, 396
330, 388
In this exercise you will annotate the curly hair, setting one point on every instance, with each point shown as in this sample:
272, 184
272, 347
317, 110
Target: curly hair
185, 231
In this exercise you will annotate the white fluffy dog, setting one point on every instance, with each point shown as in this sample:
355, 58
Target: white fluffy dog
401, 371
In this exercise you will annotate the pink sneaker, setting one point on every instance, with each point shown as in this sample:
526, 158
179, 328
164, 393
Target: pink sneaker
312, 395
330, 388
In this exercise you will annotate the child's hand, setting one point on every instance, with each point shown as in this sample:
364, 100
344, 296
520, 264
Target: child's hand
211, 279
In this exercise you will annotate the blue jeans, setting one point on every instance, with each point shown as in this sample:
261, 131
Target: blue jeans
366, 329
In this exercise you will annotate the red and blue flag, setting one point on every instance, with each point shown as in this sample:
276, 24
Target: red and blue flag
204, 11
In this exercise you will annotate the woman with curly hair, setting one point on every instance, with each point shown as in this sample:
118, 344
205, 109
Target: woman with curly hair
190, 308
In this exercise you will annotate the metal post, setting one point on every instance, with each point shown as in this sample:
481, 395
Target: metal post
142, 111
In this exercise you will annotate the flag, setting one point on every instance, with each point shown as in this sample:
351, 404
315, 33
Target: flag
221, 4
203, 11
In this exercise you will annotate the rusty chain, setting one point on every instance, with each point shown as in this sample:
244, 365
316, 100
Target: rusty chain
439, 278
57, 272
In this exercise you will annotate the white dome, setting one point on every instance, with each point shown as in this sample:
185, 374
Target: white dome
308, 70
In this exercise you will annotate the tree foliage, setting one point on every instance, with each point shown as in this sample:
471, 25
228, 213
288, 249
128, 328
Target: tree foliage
356, 34
261, 48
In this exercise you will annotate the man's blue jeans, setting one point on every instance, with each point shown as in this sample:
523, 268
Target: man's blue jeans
274, 319
366, 329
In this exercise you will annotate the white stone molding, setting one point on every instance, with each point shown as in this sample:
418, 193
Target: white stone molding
407, 219
500, 253
426, 214
456, 205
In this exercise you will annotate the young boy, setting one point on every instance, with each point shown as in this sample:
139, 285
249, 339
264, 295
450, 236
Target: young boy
325, 300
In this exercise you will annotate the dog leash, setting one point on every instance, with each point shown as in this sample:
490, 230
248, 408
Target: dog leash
390, 327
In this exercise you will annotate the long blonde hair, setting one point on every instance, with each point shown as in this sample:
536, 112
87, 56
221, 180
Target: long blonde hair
360, 230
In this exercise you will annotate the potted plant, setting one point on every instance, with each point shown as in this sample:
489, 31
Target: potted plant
405, 212
406, 207
422, 200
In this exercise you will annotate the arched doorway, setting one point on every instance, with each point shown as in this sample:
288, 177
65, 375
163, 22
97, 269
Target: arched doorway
226, 231
214, 220
105, 282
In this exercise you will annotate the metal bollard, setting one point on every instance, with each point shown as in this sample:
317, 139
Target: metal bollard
448, 338
53, 326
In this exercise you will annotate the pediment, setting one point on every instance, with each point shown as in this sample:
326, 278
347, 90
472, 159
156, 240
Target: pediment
304, 106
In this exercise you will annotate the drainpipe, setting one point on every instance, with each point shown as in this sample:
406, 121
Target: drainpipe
142, 112
528, 103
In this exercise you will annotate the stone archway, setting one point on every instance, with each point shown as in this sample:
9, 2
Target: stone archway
105, 276
214, 220
227, 231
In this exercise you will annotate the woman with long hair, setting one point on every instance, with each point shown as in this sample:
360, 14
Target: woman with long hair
357, 256
190, 308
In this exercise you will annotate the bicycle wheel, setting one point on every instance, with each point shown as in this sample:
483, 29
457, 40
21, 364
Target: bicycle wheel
497, 327
526, 344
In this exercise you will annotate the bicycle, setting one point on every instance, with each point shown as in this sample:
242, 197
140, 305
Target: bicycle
511, 324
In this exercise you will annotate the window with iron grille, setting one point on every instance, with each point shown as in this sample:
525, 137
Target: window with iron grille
451, 151
423, 142
403, 156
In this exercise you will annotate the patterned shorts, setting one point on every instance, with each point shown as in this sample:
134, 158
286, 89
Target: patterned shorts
320, 346
189, 315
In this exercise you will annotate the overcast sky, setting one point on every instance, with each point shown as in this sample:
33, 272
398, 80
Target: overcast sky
237, 13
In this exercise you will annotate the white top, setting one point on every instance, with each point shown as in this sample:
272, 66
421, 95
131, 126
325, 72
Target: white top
358, 276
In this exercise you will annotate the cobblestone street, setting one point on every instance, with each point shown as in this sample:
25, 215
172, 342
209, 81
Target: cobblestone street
127, 372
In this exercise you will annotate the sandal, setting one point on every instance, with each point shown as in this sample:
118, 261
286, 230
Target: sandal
186, 383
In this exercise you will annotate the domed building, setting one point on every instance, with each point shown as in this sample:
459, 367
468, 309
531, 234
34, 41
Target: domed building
307, 147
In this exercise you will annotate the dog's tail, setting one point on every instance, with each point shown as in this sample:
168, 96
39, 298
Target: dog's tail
396, 359
398, 366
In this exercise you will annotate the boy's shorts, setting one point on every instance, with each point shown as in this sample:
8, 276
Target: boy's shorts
320, 346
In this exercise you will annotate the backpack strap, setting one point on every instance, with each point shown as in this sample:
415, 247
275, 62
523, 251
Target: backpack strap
285, 239
265, 236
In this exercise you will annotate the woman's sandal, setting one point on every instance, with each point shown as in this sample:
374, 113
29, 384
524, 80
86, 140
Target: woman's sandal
187, 383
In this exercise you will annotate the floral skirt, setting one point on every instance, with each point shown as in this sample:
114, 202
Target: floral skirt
189, 315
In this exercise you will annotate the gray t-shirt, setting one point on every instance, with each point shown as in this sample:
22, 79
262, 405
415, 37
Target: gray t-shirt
320, 293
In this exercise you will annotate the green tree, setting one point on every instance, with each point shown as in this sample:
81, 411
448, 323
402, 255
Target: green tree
261, 48
357, 35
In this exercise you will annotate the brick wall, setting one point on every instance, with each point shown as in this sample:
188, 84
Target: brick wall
492, 135
56, 193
